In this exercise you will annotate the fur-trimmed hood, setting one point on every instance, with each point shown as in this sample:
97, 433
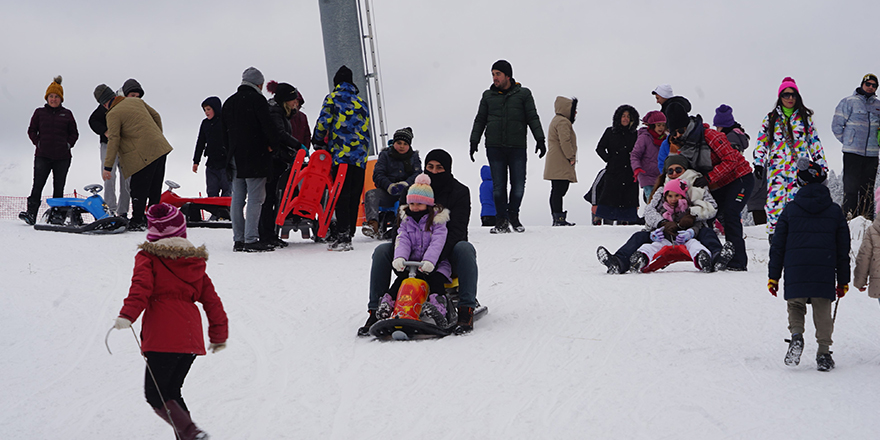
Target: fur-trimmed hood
174, 248
441, 215
633, 119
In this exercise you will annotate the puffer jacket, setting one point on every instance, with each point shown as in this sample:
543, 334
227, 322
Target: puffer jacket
702, 205
644, 156
811, 243
414, 243
561, 143
487, 199
615, 146
169, 278
868, 261
345, 119
855, 124
504, 115
134, 134
53, 131
389, 170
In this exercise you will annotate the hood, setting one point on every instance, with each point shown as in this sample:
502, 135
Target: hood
486, 173
813, 198
562, 106
180, 256
633, 118
348, 87
214, 103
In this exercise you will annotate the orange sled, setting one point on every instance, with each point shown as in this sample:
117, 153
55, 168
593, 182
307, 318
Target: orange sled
304, 195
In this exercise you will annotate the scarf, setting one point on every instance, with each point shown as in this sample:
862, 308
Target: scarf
671, 212
657, 138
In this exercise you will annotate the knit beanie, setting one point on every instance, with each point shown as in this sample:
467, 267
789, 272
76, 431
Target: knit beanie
786, 83
421, 191
809, 172
404, 134
724, 116
677, 186
131, 85
55, 87
103, 93
675, 159
868, 77
440, 156
343, 75
283, 91
504, 67
253, 76
165, 221
654, 117
676, 117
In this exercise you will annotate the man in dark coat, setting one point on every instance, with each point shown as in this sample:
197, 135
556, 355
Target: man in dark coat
455, 196
210, 144
664, 96
249, 136
506, 110
811, 243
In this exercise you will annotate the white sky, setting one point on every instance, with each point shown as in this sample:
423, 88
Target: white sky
436, 59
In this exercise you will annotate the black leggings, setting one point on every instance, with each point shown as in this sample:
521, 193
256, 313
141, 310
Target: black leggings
170, 370
558, 189
146, 188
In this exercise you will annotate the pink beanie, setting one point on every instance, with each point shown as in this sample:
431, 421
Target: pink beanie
787, 82
654, 117
421, 191
677, 186
165, 221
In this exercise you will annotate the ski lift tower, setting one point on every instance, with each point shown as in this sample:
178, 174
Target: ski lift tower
347, 29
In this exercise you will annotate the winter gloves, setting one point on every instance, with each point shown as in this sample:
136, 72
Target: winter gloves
473, 150
686, 221
684, 236
636, 173
428, 267
701, 181
657, 235
397, 264
773, 286
213, 348
759, 172
841, 290
541, 149
396, 188
121, 323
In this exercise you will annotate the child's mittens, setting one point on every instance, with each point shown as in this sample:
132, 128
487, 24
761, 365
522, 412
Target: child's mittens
427, 267
121, 323
397, 264
841, 290
215, 347
684, 236
657, 235
397, 188
686, 221
773, 286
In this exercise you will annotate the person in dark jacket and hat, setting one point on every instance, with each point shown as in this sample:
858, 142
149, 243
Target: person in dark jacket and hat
394, 171
811, 244
210, 144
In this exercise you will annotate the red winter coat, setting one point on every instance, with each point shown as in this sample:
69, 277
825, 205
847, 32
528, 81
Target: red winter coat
169, 277
728, 164
300, 128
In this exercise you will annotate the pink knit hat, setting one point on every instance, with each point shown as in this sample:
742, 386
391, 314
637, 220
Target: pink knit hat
165, 221
421, 191
677, 186
654, 117
787, 82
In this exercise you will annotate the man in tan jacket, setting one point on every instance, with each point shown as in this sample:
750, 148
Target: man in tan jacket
134, 134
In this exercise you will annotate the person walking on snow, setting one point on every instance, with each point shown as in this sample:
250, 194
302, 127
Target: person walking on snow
855, 124
619, 199
811, 244
561, 156
505, 111
169, 278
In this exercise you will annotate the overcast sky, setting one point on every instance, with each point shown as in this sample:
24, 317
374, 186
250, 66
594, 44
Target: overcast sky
435, 63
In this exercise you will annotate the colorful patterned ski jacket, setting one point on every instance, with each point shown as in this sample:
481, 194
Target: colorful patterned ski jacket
345, 123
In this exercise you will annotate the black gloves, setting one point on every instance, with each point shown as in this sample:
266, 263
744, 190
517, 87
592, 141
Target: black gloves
541, 149
759, 172
701, 181
473, 150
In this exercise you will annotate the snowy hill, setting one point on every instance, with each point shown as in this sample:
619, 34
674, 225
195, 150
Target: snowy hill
566, 351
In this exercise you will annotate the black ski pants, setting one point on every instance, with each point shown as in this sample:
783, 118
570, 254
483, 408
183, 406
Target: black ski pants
42, 168
859, 174
170, 370
349, 200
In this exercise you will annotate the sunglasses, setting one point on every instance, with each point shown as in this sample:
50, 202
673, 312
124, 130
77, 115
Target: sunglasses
788, 95
674, 170
872, 85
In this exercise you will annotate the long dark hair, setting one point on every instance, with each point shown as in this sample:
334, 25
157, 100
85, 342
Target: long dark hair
798, 105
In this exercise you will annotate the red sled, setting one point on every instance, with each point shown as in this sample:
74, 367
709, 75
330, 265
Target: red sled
666, 256
192, 208
304, 194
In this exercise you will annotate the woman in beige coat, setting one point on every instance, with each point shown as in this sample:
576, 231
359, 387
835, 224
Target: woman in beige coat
561, 156
868, 259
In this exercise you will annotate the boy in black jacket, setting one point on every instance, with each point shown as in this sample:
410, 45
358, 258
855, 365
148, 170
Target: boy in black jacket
812, 244
210, 144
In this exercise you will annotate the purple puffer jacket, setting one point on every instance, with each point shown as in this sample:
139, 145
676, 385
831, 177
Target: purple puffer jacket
644, 156
53, 132
415, 244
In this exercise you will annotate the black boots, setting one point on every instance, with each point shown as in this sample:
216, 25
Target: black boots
372, 319
559, 219
465, 320
824, 361
795, 348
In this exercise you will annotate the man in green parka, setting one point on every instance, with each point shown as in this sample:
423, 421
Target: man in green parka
506, 109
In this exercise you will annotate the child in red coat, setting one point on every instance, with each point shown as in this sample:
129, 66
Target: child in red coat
169, 277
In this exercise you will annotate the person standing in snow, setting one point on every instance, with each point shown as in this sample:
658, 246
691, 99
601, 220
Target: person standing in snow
561, 156
506, 109
664, 96
343, 128
619, 199
739, 140
867, 271
787, 133
210, 144
855, 124
131, 88
395, 170
120, 204
644, 154
169, 278
53, 132
811, 244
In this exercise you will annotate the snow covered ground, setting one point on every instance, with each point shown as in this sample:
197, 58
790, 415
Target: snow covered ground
566, 351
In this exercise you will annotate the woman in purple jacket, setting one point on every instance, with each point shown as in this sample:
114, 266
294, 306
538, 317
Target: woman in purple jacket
53, 132
421, 237
643, 158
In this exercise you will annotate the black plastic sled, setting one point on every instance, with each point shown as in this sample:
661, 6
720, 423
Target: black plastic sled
69, 219
410, 329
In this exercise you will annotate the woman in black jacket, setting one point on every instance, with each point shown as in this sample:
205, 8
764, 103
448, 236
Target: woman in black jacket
619, 199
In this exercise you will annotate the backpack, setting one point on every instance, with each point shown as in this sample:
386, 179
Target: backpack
695, 148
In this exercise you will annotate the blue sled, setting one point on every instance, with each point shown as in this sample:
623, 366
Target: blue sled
65, 215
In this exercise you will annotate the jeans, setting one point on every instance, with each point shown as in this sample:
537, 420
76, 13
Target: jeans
376, 198
42, 168
110, 186
500, 160
245, 225
859, 173
170, 370
731, 199
217, 182
558, 189
464, 264
146, 189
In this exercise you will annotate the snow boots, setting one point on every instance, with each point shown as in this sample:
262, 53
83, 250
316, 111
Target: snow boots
704, 262
180, 420
610, 261
795, 348
724, 257
372, 319
28, 218
434, 310
386, 307
501, 227
559, 219
514, 222
371, 229
637, 261
824, 361
341, 244
465, 320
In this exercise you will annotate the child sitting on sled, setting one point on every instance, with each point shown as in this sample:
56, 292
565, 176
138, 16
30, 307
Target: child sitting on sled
420, 237
674, 241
